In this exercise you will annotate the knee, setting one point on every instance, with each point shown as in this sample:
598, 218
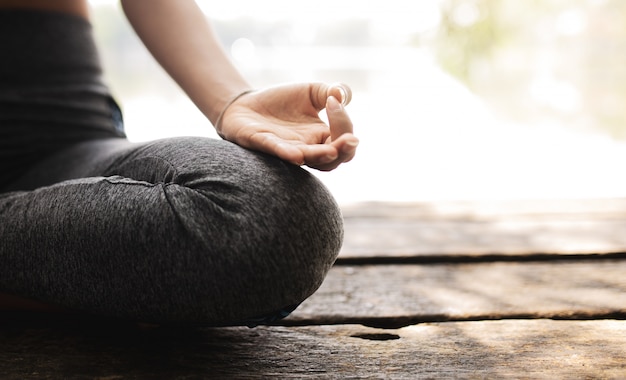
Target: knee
269, 231
297, 235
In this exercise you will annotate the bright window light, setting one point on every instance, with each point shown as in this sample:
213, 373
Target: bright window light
453, 99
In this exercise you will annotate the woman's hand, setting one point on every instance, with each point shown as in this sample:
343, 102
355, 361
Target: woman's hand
284, 121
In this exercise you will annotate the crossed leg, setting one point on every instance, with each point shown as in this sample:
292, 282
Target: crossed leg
183, 230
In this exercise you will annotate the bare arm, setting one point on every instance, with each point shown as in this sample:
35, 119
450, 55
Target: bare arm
181, 39
282, 121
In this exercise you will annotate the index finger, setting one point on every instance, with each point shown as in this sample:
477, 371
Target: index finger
341, 92
320, 92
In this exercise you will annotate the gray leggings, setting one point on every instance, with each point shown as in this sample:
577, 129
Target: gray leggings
183, 230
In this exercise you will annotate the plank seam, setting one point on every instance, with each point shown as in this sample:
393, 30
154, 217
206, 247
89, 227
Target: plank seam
410, 320
481, 258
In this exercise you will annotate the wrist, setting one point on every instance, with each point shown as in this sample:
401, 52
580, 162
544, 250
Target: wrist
220, 117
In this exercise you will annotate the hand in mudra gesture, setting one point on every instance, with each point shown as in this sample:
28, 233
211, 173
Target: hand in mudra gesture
284, 121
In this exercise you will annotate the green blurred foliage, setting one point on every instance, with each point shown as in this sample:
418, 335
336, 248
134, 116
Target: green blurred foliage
538, 60
460, 43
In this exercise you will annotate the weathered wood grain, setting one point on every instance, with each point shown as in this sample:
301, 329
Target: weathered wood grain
397, 295
409, 238
538, 349
478, 229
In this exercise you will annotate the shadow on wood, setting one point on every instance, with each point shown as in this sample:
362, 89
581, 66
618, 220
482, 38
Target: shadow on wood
495, 349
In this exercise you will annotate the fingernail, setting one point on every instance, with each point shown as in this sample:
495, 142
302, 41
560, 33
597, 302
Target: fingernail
332, 104
352, 143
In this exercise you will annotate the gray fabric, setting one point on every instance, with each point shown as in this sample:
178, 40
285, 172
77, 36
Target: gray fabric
46, 48
184, 230
51, 91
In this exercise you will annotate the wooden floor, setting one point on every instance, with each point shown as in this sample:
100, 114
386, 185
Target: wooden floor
446, 290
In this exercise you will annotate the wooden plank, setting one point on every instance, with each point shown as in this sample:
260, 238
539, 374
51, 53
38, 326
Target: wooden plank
479, 229
540, 349
399, 295
405, 239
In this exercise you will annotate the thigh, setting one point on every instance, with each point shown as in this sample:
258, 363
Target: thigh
179, 230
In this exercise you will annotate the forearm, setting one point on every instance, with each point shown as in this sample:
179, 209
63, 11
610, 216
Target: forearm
181, 39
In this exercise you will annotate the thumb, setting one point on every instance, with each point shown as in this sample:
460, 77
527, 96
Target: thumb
338, 119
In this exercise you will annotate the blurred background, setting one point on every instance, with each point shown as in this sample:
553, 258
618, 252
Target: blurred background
453, 99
